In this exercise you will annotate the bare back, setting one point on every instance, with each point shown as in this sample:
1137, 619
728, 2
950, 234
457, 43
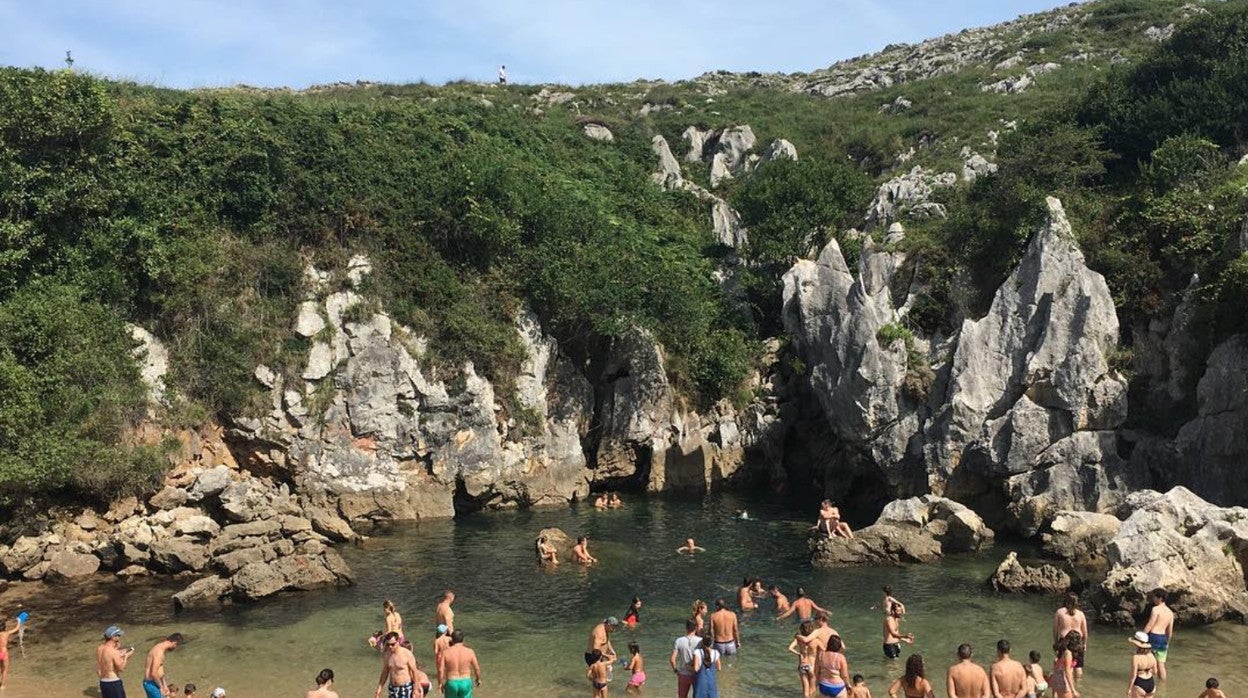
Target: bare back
805, 608
723, 625
1008, 678
459, 662
1160, 621
321, 692
745, 600
1065, 621
967, 680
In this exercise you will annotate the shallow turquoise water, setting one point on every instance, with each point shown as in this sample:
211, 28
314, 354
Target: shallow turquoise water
529, 626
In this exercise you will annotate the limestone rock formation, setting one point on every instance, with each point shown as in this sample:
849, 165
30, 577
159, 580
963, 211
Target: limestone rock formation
1011, 85
668, 176
1081, 538
1013, 577
598, 132
1177, 541
1028, 377
1212, 449
919, 529
907, 196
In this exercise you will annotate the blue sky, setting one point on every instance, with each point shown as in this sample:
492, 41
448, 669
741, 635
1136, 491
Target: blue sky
198, 43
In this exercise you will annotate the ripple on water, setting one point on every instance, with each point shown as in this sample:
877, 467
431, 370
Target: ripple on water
529, 626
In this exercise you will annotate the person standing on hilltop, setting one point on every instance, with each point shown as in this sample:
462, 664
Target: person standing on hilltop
502, 75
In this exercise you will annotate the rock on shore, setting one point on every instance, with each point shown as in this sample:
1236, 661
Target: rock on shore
1013, 577
919, 529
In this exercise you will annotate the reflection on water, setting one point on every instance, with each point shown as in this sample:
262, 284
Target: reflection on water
529, 626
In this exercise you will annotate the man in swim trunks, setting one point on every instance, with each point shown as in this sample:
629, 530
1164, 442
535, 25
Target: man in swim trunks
1068, 618
154, 684
5, 633
725, 633
1160, 629
1008, 677
966, 679
444, 614
580, 552
892, 633
681, 660
110, 661
398, 669
441, 640
782, 601
600, 639
804, 607
459, 668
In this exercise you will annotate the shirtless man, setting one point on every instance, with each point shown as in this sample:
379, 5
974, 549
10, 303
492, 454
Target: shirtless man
892, 633
154, 684
822, 633
398, 669
1160, 629
444, 615
601, 501
324, 685
725, 634
782, 601
966, 679
459, 669
1008, 678
889, 600
745, 598
5, 633
110, 661
1068, 618
830, 521
441, 640
600, 639
804, 607
690, 547
580, 552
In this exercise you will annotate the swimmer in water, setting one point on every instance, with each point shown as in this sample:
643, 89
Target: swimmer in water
782, 601
806, 653
601, 502
614, 501
690, 547
804, 607
597, 672
745, 597
580, 552
859, 689
890, 601
633, 615
697, 614
893, 636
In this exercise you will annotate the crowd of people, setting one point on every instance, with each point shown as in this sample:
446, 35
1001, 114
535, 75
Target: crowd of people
697, 656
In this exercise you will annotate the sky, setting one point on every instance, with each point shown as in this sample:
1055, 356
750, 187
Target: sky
297, 43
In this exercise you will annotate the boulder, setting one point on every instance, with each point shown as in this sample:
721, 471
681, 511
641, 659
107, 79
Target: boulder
168, 497
668, 175
25, 553
207, 591
1080, 537
721, 170
918, 529
599, 132
1179, 542
779, 149
179, 555
906, 196
210, 482
696, 138
557, 537
309, 323
153, 363
197, 526
68, 564
260, 579
977, 166
1013, 577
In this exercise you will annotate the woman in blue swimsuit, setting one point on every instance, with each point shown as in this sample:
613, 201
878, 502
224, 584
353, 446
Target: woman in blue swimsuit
833, 668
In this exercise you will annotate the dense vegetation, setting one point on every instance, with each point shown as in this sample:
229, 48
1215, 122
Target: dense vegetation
193, 214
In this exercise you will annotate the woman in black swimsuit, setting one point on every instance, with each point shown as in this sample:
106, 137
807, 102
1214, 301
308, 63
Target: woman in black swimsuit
1143, 668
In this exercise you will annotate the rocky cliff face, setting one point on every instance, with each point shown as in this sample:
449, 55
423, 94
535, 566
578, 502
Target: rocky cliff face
1021, 407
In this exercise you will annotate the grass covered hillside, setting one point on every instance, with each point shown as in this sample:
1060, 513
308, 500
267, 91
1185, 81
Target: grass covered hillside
194, 213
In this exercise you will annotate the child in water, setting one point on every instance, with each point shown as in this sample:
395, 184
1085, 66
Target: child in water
636, 670
188, 691
1212, 690
859, 689
597, 673
633, 615
1035, 673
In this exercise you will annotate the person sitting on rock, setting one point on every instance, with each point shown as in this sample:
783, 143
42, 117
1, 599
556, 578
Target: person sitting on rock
546, 553
830, 521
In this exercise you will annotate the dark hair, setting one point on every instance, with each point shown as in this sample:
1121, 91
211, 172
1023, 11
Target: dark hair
324, 677
175, 638
805, 628
820, 615
457, 637
914, 670
1159, 594
894, 608
706, 650
888, 589
1003, 646
775, 588
596, 655
745, 582
964, 650
634, 648
1074, 640
691, 625
1072, 599
636, 600
858, 678
835, 643
719, 603
385, 639
1211, 683
188, 689
800, 593
580, 539
1034, 656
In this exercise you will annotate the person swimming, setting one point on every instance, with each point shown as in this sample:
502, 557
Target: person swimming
633, 615
690, 547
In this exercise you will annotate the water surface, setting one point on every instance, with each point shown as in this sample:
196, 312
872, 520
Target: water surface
529, 626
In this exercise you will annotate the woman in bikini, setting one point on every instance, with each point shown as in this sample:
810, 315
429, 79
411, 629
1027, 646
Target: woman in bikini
699, 613
394, 621
914, 683
833, 669
805, 650
1143, 668
1062, 680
